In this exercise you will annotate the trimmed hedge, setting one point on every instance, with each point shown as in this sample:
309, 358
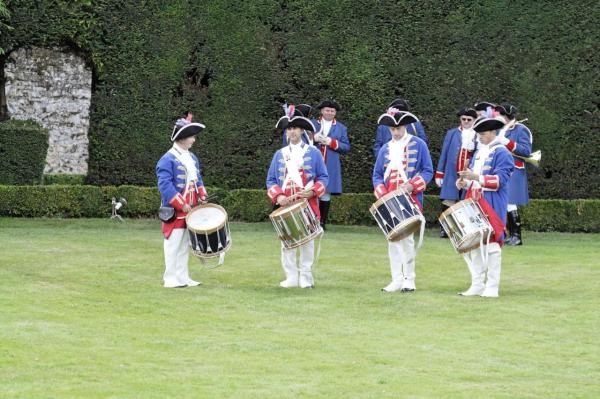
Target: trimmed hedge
23, 149
234, 63
254, 206
64, 179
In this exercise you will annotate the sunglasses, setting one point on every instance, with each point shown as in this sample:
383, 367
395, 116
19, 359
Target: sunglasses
466, 119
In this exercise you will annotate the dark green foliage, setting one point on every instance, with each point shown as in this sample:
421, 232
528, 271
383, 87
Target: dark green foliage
253, 206
234, 63
63, 179
23, 148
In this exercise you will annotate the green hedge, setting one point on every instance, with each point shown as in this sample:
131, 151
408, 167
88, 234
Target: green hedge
64, 179
254, 206
23, 149
234, 63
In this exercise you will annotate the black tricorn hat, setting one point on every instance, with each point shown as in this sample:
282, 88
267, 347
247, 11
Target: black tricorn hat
397, 119
181, 131
295, 121
329, 104
483, 124
507, 109
483, 105
467, 112
303, 110
400, 104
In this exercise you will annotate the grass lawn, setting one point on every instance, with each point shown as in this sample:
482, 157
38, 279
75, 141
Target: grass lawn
83, 315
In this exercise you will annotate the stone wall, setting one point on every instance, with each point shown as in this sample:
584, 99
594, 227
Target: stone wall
53, 88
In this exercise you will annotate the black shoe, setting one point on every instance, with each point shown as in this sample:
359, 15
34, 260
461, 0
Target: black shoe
515, 231
443, 233
407, 290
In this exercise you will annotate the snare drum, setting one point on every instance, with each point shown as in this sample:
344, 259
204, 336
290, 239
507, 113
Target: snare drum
296, 224
397, 215
209, 231
466, 225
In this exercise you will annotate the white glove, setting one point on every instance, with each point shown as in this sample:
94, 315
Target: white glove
318, 137
439, 181
326, 140
503, 140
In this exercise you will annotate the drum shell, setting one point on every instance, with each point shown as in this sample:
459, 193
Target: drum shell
397, 215
466, 225
209, 242
296, 224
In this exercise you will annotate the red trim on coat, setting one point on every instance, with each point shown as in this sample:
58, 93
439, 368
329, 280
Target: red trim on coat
177, 202
491, 182
439, 175
334, 144
273, 192
464, 156
418, 184
519, 164
380, 191
319, 189
511, 145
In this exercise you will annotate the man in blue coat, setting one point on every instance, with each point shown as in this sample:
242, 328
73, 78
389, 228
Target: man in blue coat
518, 140
297, 170
332, 140
382, 135
403, 163
181, 188
487, 183
457, 150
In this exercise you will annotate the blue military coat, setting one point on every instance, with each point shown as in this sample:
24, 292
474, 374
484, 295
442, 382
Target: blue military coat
446, 167
419, 169
496, 171
520, 143
331, 153
171, 176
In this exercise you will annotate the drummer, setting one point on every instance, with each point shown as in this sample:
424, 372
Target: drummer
404, 164
181, 188
297, 171
487, 182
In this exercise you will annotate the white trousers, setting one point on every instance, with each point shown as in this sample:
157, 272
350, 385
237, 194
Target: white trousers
479, 269
302, 268
402, 261
177, 253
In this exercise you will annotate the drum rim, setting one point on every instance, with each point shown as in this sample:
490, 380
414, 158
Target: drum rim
391, 194
469, 248
459, 204
211, 230
303, 241
289, 208
199, 254
403, 225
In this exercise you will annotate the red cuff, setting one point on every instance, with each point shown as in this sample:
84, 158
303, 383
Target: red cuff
177, 202
418, 184
274, 192
380, 191
202, 193
511, 145
491, 182
319, 189
334, 144
439, 175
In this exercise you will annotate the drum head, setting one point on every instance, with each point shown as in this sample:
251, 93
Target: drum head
206, 218
295, 207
